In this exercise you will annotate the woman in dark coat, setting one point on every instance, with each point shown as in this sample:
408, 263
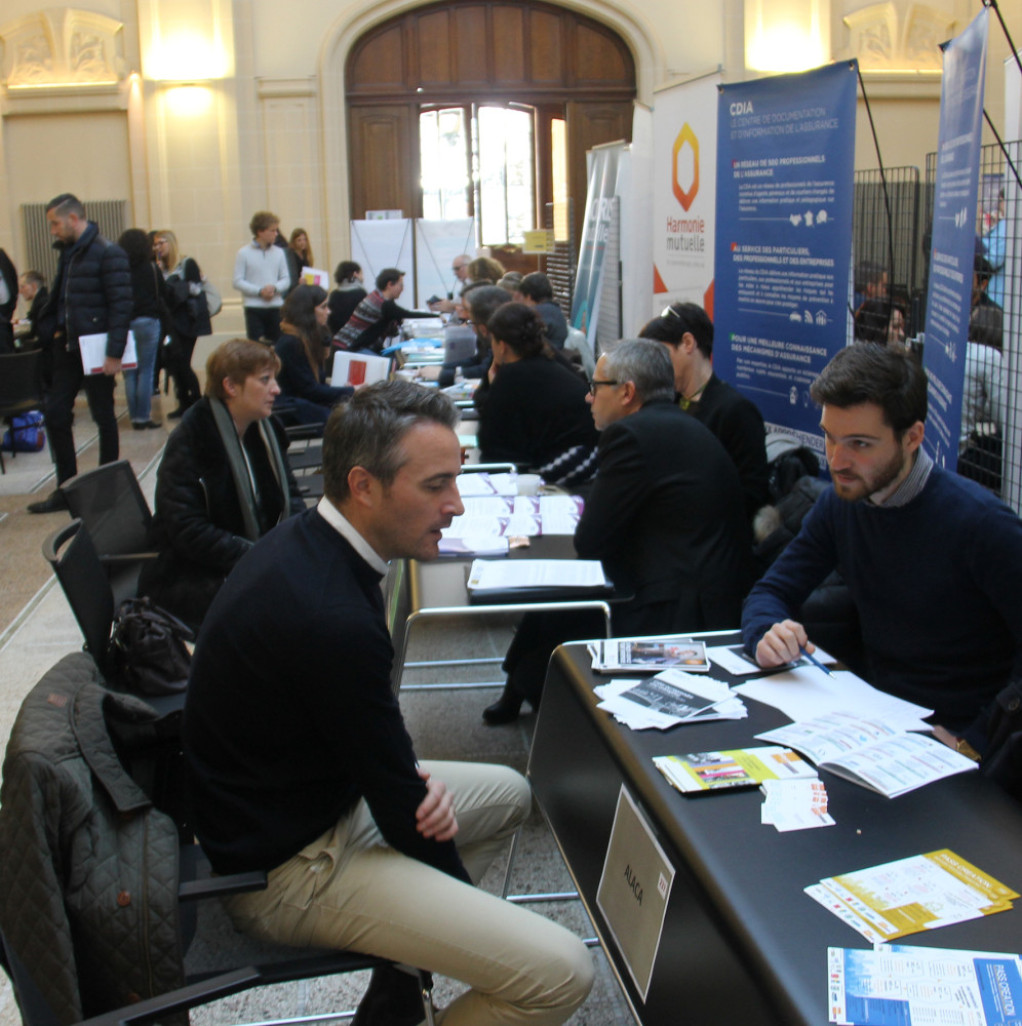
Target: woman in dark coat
302, 351
532, 408
223, 483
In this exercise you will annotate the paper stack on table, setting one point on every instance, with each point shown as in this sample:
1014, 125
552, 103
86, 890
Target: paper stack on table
669, 698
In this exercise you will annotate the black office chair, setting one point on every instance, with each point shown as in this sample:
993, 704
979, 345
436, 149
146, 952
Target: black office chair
69, 550
20, 389
111, 504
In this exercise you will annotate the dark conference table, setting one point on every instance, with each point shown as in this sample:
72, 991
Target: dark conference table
741, 942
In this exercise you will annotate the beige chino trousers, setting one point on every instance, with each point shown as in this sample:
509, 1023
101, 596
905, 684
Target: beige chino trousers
348, 889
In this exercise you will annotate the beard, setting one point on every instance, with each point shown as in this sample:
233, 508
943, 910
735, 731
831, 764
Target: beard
852, 487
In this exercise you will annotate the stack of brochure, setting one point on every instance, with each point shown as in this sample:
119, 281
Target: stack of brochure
705, 772
669, 698
919, 893
870, 753
626, 655
896, 984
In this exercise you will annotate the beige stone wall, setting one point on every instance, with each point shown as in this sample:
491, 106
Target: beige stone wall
223, 107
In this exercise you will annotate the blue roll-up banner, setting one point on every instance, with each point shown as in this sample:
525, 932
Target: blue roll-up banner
785, 158
949, 293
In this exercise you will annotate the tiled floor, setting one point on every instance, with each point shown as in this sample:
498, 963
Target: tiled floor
444, 724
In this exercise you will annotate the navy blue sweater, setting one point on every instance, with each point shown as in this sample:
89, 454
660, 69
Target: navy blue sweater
290, 718
938, 587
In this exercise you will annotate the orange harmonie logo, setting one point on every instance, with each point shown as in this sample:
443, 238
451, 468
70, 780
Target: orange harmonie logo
685, 196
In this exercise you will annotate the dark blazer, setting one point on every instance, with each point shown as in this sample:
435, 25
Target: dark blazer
667, 519
738, 424
198, 528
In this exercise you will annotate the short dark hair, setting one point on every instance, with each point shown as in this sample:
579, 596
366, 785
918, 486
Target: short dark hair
346, 271
368, 431
986, 325
387, 276
887, 377
519, 326
237, 359
484, 300
536, 286
65, 204
645, 363
680, 319
261, 220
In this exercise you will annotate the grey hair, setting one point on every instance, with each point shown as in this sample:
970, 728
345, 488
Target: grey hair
368, 431
646, 364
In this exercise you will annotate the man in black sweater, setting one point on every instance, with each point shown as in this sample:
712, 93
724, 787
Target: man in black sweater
300, 764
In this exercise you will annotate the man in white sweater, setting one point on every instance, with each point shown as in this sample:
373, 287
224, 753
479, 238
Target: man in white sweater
262, 277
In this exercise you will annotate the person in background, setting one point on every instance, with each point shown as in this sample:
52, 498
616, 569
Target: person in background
664, 516
146, 291
984, 400
511, 281
348, 294
189, 317
461, 279
994, 249
377, 317
485, 269
262, 277
299, 255
687, 332
302, 349
533, 409
91, 295
536, 290
8, 301
880, 321
223, 482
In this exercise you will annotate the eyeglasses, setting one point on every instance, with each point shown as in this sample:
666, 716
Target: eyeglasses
594, 385
669, 311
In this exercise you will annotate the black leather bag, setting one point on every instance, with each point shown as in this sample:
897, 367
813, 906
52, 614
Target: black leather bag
148, 655
1003, 759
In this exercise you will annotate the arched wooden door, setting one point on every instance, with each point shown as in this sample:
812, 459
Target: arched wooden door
574, 76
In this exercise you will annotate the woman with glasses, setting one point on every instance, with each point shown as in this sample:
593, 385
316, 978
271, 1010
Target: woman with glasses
532, 407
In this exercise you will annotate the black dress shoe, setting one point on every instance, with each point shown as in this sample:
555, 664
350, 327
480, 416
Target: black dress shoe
53, 503
505, 709
392, 999
176, 414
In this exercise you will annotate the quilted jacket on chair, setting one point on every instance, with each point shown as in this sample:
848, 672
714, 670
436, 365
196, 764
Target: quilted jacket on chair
88, 867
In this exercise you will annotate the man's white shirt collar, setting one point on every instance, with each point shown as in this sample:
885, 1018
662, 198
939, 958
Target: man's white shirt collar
336, 519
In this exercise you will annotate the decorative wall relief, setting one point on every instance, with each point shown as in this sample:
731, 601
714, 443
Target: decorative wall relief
898, 36
62, 46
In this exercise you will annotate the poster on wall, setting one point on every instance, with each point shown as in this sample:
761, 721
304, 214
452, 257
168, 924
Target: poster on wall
379, 244
949, 293
785, 155
437, 243
684, 193
603, 174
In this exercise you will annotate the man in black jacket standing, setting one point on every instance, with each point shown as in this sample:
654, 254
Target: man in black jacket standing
91, 295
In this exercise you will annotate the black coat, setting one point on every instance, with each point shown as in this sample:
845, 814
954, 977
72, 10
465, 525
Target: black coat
93, 286
198, 528
667, 519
